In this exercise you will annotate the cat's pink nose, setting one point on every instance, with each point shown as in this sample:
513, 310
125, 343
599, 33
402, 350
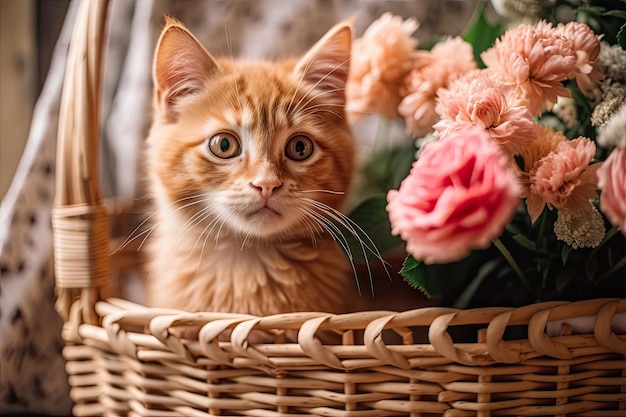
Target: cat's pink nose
266, 186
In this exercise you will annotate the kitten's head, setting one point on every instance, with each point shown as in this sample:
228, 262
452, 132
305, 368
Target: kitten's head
256, 148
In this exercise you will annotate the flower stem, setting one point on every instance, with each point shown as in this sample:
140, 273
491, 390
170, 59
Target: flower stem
382, 134
614, 268
509, 258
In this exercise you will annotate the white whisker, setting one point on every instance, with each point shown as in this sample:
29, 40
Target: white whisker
354, 229
318, 95
245, 239
341, 240
132, 236
302, 108
207, 234
350, 224
280, 240
206, 238
219, 230
335, 232
198, 217
323, 191
302, 75
347, 246
233, 66
311, 108
312, 226
299, 106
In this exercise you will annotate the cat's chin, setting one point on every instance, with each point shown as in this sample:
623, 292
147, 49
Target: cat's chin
264, 222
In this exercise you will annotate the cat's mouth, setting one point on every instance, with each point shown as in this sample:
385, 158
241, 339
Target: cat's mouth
264, 212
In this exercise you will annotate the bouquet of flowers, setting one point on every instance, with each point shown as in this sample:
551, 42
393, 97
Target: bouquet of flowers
517, 193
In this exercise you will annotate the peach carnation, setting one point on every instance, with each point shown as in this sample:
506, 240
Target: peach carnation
586, 46
459, 196
612, 182
433, 70
379, 61
564, 179
482, 99
547, 139
537, 59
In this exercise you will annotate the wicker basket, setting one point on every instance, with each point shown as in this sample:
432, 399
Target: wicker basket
126, 359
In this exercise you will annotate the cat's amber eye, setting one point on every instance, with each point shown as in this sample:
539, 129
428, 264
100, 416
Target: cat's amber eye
299, 148
224, 145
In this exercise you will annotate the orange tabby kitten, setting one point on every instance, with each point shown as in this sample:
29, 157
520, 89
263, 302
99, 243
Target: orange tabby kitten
247, 163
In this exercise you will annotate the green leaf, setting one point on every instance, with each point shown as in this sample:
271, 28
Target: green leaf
591, 11
400, 164
564, 277
621, 36
445, 280
525, 242
566, 251
481, 35
620, 14
579, 97
414, 272
386, 168
591, 268
485, 270
609, 234
374, 229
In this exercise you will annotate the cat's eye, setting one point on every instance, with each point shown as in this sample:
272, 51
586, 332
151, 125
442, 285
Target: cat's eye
299, 148
224, 145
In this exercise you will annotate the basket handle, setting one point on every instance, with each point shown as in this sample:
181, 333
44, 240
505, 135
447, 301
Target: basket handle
79, 219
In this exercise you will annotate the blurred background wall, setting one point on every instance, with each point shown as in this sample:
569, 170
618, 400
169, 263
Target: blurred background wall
28, 32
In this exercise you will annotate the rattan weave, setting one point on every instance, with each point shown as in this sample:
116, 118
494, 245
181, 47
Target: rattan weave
125, 359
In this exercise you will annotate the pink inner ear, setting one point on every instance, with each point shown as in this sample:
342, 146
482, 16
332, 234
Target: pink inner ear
181, 67
327, 63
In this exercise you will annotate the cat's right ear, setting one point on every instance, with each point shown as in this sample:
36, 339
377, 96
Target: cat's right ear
327, 63
181, 66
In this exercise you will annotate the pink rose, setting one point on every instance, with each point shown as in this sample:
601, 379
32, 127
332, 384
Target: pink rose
459, 195
612, 182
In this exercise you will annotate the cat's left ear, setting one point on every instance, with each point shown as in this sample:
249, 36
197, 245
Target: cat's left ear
181, 66
327, 63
